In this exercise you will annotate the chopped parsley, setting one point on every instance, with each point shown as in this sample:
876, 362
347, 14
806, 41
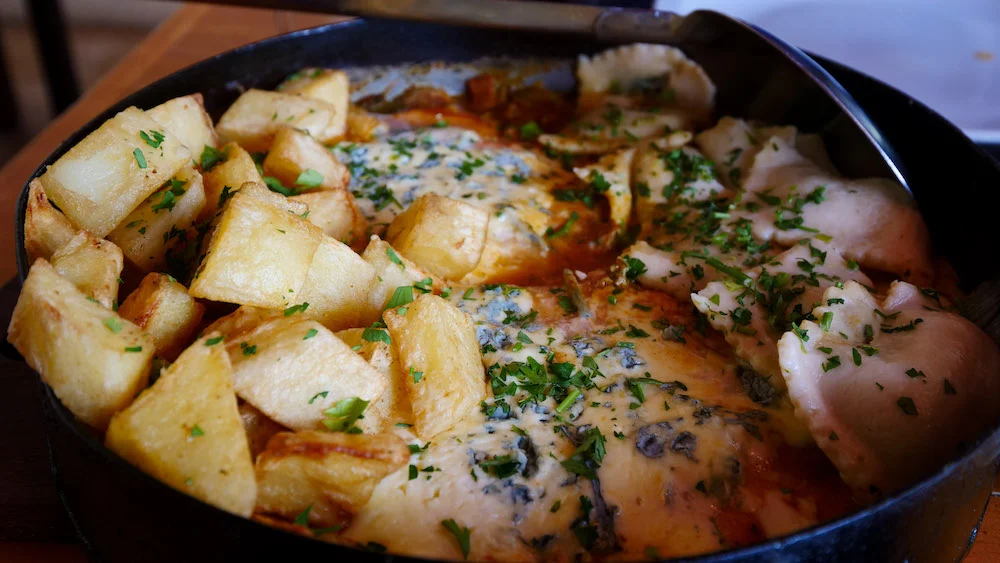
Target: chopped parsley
309, 178
153, 138
462, 535
633, 267
530, 131
300, 308
140, 158
375, 333
343, 414
210, 157
310, 333
501, 466
825, 321
907, 405
832, 362
394, 258
402, 296
588, 455
565, 228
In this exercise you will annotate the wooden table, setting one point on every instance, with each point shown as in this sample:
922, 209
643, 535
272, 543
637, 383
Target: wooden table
193, 33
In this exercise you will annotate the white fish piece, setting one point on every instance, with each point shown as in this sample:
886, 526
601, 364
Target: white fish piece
755, 313
872, 221
619, 69
890, 390
733, 143
664, 171
611, 175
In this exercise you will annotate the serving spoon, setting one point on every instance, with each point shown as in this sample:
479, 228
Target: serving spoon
757, 75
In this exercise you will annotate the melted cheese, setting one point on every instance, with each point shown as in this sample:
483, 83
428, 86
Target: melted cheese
681, 452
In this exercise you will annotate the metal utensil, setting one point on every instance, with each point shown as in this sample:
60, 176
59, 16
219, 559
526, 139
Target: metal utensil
758, 76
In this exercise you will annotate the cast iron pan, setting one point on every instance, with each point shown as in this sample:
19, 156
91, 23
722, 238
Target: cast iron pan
126, 516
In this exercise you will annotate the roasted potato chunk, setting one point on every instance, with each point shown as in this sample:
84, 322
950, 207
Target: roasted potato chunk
185, 430
223, 180
94, 360
98, 182
293, 368
256, 116
337, 286
334, 473
265, 194
337, 214
243, 319
186, 118
330, 86
433, 338
259, 254
361, 125
161, 222
45, 227
258, 427
94, 265
442, 235
298, 160
163, 308
393, 406
392, 271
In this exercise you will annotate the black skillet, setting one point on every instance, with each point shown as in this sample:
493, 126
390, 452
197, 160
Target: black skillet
123, 515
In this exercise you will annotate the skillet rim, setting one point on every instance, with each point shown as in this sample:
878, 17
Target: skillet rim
990, 439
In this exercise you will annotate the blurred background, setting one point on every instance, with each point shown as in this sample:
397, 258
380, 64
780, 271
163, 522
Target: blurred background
99, 34
943, 52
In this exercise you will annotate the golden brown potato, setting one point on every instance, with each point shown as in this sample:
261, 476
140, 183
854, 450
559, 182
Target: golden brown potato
243, 319
361, 125
441, 363
392, 270
330, 86
94, 360
393, 406
161, 222
263, 193
259, 254
337, 286
259, 429
301, 162
442, 235
256, 116
223, 180
334, 473
94, 265
337, 214
185, 430
163, 308
186, 117
293, 369
98, 182
45, 227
